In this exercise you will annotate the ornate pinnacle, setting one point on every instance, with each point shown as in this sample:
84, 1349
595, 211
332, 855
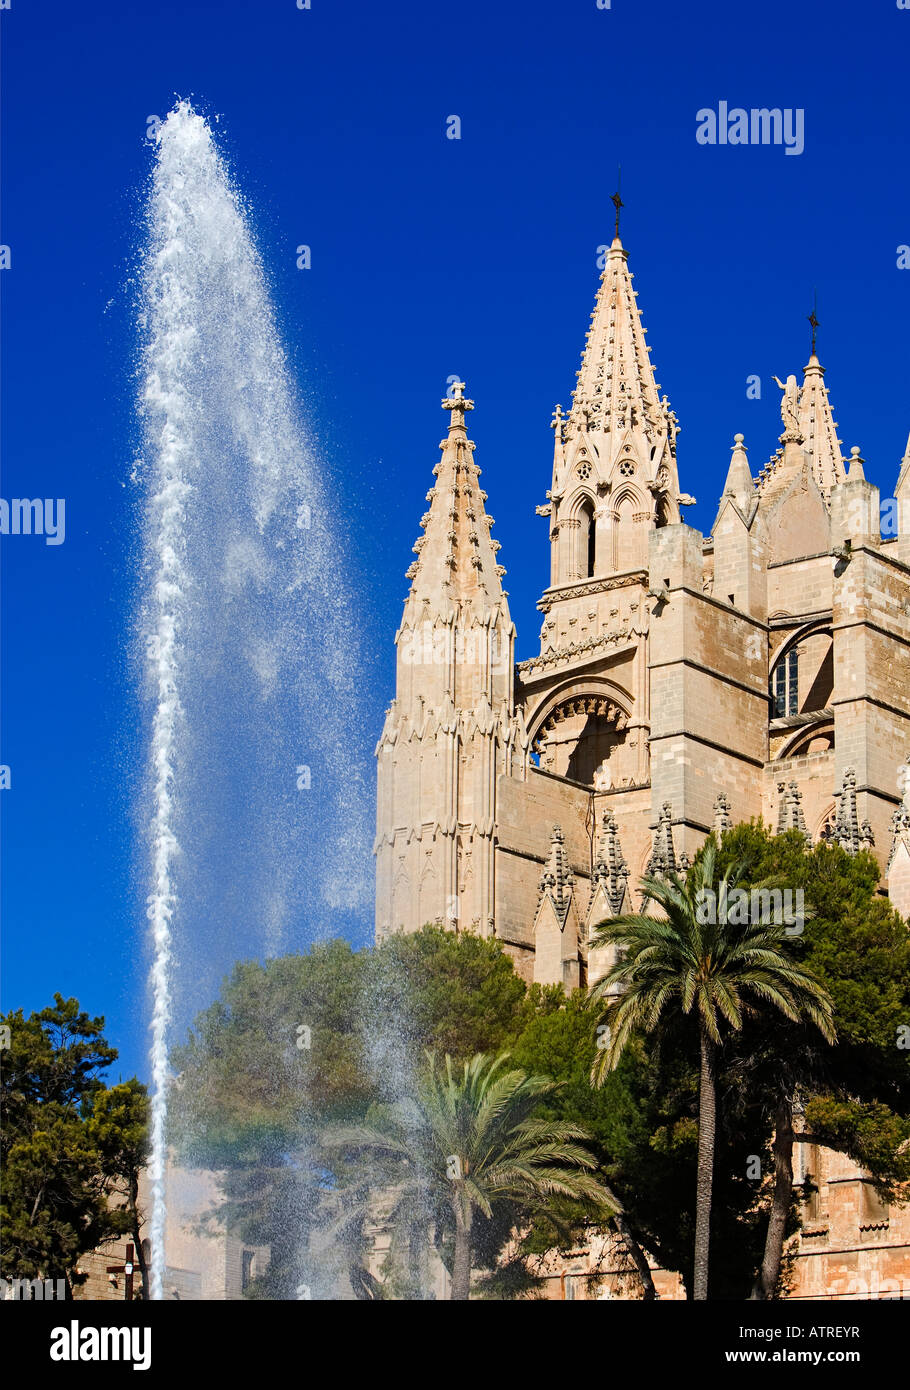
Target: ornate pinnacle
848, 832
723, 821
457, 402
557, 879
611, 869
790, 812
663, 855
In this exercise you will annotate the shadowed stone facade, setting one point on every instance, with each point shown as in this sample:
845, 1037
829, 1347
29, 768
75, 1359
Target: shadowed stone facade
683, 683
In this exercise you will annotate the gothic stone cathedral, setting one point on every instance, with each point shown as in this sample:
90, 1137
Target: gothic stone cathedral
684, 682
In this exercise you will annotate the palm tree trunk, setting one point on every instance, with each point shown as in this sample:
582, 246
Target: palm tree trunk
461, 1267
766, 1282
707, 1123
639, 1258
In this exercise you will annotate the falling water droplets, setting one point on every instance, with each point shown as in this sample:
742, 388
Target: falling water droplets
247, 624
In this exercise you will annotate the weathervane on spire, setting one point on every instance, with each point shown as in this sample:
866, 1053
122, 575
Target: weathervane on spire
813, 321
616, 200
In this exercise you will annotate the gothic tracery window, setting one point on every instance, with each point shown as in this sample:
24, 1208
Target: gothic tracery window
786, 685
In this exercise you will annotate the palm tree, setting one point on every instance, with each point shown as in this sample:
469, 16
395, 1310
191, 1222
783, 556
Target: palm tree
698, 954
471, 1141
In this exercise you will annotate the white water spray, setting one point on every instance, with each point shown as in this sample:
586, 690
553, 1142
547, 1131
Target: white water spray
247, 627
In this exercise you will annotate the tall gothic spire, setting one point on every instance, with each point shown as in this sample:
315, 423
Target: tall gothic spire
617, 402
809, 438
614, 458
616, 385
456, 556
451, 730
819, 428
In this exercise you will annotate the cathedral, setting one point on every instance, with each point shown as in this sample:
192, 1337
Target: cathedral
684, 682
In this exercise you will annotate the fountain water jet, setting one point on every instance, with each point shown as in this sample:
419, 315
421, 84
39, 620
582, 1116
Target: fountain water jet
260, 814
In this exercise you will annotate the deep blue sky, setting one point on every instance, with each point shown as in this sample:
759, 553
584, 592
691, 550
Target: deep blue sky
430, 257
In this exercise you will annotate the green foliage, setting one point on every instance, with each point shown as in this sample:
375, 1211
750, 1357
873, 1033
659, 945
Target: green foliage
67, 1143
255, 1104
247, 1089
858, 1092
118, 1124
250, 1102
473, 1142
698, 955
457, 994
643, 1121
874, 1136
682, 957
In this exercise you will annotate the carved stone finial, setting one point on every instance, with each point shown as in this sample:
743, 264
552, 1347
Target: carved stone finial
903, 782
723, 821
855, 470
557, 880
610, 868
900, 821
663, 854
789, 810
847, 831
457, 402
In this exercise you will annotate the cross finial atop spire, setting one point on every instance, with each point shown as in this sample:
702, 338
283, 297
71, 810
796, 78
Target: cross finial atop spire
457, 402
618, 203
813, 323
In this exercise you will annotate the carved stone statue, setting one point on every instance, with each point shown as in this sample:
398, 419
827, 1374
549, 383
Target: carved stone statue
789, 406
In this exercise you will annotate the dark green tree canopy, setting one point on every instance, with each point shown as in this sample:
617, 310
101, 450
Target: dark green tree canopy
69, 1145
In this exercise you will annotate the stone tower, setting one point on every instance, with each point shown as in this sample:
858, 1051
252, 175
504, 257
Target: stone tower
449, 735
683, 682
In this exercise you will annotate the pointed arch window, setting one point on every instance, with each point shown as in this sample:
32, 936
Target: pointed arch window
786, 685
587, 541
